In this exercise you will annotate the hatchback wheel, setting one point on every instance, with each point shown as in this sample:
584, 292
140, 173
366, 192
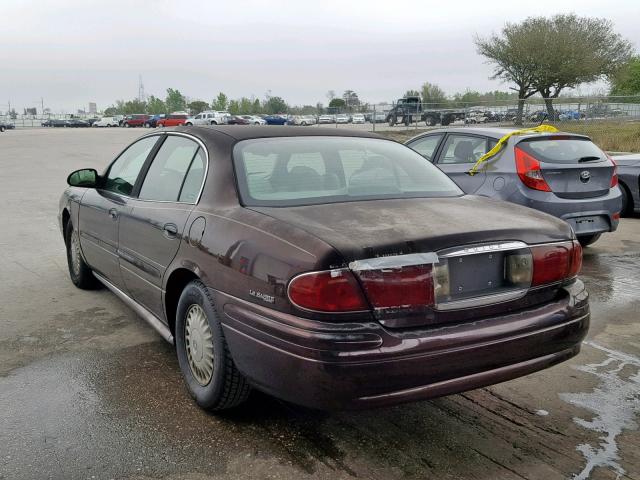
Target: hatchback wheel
627, 201
79, 271
586, 240
206, 364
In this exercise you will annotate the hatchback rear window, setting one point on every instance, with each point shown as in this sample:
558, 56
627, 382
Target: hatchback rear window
293, 171
562, 150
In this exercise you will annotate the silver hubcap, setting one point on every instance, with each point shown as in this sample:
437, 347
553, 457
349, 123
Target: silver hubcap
198, 339
75, 253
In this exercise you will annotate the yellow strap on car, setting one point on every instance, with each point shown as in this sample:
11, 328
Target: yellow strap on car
503, 141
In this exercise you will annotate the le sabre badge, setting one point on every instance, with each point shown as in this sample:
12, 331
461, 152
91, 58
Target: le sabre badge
503, 141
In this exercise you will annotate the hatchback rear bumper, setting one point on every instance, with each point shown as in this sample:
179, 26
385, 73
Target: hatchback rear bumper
352, 366
586, 216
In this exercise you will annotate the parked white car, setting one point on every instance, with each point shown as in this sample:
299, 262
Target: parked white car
357, 118
304, 120
254, 120
107, 122
209, 117
342, 118
326, 119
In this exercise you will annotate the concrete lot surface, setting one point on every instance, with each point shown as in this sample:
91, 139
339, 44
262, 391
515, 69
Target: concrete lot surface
88, 390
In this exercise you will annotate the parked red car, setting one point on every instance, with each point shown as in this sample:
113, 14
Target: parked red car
136, 120
237, 120
173, 120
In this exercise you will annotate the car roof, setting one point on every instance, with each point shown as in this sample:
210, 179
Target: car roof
245, 132
494, 132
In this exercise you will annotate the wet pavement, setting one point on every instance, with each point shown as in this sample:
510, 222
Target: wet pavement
88, 390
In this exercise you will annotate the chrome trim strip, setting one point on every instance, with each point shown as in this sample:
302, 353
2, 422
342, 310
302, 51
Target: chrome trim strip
149, 317
481, 300
481, 248
394, 261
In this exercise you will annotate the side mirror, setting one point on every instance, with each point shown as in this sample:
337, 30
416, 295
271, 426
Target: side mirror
85, 177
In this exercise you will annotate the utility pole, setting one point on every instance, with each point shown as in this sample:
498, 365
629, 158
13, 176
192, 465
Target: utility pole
42, 105
140, 89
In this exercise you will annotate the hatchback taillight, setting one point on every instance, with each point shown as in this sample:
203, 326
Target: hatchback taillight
555, 262
327, 291
529, 171
614, 177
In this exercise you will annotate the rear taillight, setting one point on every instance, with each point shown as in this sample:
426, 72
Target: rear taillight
614, 177
406, 288
555, 262
529, 171
327, 291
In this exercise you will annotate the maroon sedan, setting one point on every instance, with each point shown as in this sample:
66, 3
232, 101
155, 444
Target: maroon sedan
237, 120
330, 269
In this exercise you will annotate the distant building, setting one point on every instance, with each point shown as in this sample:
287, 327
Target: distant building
92, 108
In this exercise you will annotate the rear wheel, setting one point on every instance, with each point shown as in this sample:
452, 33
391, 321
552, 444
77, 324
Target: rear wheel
126, 125
79, 271
205, 361
2, 128
627, 201
429, 121
392, 120
586, 240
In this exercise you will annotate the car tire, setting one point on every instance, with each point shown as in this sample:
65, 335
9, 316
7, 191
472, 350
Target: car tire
108, 126
189, 124
627, 201
147, 125
126, 125
392, 121
429, 121
586, 240
215, 383
80, 273
2, 128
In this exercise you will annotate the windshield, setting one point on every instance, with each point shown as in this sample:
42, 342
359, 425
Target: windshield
294, 171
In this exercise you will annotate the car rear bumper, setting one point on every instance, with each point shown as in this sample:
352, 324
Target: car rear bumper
353, 366
586, 216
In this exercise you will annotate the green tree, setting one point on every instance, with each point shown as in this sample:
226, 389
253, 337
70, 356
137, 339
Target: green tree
110, 111
626, 81
220, 102
275, 105
245, 106
156, 106
198, 106
133, 106
512, 55
257, 107
411, 93
350, 99
337, 103
433, 95
556, 53
175, 101
234, 107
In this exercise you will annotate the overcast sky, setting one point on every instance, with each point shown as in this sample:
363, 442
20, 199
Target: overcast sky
74, 52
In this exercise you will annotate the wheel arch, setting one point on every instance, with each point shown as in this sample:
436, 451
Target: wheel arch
176, 282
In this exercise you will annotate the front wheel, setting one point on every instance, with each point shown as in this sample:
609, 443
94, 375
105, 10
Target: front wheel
2, 128
205, 361
79, 271
586, 240
126, 125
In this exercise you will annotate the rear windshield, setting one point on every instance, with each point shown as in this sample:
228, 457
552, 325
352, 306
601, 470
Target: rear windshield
294, 171
563, 150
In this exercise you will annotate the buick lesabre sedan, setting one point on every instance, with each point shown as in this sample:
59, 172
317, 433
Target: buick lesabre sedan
332, 270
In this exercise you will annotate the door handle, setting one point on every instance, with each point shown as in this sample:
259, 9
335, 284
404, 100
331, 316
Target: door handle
170, 229
113, 213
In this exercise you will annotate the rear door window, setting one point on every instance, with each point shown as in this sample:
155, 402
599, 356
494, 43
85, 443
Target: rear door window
426, 146
462, 149
563, 150
168, 170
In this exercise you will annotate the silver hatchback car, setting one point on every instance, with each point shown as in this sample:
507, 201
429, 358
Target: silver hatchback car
563, 174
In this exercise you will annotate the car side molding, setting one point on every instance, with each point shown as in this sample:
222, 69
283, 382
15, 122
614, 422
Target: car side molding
149, 317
